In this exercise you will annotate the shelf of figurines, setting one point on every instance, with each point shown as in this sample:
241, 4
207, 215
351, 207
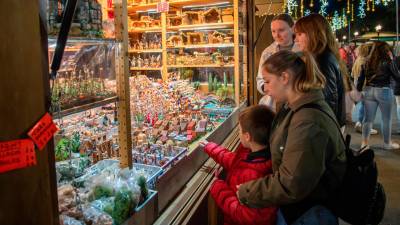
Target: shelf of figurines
209, 26
141, 7
145, 68
81, 40
144, 30
201, 66
219, 45
145, 51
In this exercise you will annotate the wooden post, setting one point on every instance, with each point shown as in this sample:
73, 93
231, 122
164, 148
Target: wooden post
252, 98
236, 51
28, 195
164, 71
123, 74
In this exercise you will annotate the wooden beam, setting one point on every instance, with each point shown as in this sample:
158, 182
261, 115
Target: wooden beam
164, 72
29, 195
236, 51
123, 74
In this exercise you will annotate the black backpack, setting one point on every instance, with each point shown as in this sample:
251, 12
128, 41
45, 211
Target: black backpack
361, 199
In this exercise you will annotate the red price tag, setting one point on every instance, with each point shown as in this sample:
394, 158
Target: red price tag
43, 131
16, 154
162, 7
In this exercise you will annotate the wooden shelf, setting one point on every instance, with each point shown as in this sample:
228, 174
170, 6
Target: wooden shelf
202, 26
182, 3
143, 7
203, 66
145, 51
145, 30
84, 107
222, 45
146, 68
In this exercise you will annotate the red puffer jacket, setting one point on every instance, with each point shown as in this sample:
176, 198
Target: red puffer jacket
241, 166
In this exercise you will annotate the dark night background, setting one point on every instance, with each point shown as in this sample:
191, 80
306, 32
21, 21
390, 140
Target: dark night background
383, 15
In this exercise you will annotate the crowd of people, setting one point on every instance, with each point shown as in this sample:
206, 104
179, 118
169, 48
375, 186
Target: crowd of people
292, 158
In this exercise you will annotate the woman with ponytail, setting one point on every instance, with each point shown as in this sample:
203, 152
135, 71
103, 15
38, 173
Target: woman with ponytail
308, 157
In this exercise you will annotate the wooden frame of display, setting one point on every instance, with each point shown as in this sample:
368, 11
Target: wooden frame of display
123, 89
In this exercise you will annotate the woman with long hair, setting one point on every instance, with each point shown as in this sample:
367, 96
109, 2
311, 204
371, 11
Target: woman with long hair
308, 157
314, 35
362, 53
377, 74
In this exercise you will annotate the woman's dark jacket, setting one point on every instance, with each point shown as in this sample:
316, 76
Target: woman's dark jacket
334, 90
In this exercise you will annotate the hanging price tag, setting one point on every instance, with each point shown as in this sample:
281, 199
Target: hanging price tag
43, 131
16, 154
162, 7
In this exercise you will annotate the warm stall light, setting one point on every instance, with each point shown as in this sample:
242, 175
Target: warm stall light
205, 5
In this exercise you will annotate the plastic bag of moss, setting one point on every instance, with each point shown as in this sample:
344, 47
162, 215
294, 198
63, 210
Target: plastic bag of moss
123, 206
94, 216
102, 187
66, 220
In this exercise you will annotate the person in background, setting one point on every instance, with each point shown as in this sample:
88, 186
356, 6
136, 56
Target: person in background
252, 160
314, 35
362, 53
306, 145
377, 74
282, 33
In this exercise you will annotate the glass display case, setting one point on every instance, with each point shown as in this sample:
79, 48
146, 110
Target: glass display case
187, 83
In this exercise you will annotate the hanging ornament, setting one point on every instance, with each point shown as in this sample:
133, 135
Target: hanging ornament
302, 8
307, 12
352, 12
324, 6
361, 9
378, 2
336, 21
312, 3
344, 18
348, 7
291, 4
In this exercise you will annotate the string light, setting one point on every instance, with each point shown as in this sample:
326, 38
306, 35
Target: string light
373, 5
291, 6
348, 6
352, 12
312, 3
361, 9
324, 6
302, 8
368, 9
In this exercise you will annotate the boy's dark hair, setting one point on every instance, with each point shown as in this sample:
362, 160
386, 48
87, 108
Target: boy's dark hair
257, 120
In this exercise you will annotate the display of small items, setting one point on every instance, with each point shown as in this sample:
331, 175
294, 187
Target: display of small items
211, 15
76, 88
146, 42
158, 155
146, 61
199, 58
145, 21
92, 134
87, 18
200, 37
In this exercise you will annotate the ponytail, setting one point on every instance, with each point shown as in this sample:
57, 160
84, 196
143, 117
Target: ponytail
302, 67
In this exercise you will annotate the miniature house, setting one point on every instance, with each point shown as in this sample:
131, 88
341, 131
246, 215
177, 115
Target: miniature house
194, 38
211, 16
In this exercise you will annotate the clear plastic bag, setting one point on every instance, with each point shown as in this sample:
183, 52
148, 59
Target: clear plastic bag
66, 220
96, 217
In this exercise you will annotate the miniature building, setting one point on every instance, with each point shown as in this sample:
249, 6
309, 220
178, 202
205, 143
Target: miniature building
87, 19
211, 16
195, 38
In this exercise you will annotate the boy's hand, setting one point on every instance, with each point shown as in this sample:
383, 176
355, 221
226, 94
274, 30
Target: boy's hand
203, 143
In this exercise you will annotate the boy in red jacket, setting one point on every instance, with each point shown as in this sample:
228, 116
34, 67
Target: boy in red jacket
252, 160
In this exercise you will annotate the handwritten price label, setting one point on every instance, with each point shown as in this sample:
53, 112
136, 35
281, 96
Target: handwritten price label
43, 131
16, 154
162, 7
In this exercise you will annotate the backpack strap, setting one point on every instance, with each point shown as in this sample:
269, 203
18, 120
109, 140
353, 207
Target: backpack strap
318, 107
